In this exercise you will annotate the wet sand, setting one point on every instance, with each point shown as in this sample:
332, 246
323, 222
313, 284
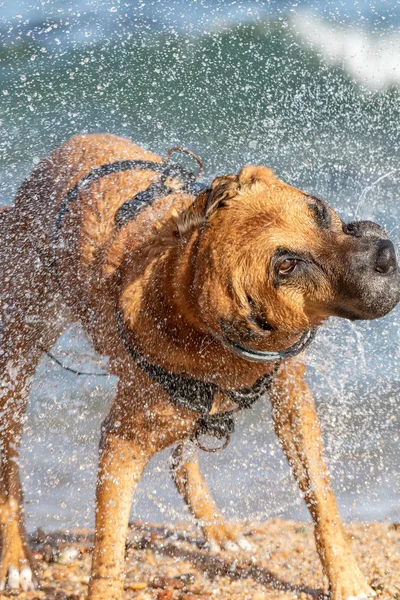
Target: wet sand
172, 563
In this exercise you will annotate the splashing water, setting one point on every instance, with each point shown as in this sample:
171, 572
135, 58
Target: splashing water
368, 188
287, 86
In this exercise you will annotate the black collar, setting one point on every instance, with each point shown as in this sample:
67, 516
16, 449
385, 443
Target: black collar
261, 356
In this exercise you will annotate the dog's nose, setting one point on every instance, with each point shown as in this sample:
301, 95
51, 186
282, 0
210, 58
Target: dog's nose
385, 262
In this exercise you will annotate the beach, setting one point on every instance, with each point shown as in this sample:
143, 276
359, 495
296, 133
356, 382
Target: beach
172, 563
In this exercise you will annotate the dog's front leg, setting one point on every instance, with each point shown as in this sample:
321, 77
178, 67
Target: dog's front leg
187, 476
121, 465
297, 427
141, 422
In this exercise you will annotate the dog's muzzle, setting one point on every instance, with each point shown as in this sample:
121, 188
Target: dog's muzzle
369, 281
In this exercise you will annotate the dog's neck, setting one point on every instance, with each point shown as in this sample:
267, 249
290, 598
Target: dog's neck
183, 340
175, 292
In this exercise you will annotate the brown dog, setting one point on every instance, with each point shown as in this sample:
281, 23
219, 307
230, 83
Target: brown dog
198, 287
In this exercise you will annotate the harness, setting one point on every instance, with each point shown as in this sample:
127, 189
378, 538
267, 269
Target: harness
185, 392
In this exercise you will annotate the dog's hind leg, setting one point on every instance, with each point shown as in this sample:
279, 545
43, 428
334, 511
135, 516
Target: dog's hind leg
27, 311
17, 369
16, 566
297, 427
16, 372
187, 476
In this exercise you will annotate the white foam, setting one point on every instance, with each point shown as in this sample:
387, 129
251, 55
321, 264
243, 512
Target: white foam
372, 59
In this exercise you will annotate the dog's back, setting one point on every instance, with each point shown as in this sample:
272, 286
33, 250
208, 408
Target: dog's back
27, 228
40, 195
31, 279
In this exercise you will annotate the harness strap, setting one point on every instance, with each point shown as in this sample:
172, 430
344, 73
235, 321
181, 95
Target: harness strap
186, 392
130, 209
246, 397
197, 395
120, 166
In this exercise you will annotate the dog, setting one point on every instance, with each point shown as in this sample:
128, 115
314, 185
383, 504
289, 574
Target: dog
197, 296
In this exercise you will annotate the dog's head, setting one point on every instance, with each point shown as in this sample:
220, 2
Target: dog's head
270, 258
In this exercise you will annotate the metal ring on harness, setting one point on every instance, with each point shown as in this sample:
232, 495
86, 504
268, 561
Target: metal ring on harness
207, 449
219, 425
190, 153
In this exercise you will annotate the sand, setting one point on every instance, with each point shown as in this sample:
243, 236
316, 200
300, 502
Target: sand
172, 563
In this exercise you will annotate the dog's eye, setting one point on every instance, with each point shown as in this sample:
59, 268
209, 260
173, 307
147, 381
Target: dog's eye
287, 266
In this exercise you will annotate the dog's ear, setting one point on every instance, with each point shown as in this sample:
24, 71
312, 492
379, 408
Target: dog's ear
251, 174
222, 189
206, 203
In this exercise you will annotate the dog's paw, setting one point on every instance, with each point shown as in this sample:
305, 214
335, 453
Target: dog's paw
16, 567
230, 546
226, 545
17, 580
213, 546
235, 544
245, 545
352, 589
240, 544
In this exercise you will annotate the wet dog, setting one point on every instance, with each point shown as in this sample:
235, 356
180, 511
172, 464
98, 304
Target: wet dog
211, 291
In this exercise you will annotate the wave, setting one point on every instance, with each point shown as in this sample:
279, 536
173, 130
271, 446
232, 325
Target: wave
362, 42
372, 59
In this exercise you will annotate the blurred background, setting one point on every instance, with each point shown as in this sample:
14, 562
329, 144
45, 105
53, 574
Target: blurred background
308, 88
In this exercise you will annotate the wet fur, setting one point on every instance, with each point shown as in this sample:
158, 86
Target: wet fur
174, 291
